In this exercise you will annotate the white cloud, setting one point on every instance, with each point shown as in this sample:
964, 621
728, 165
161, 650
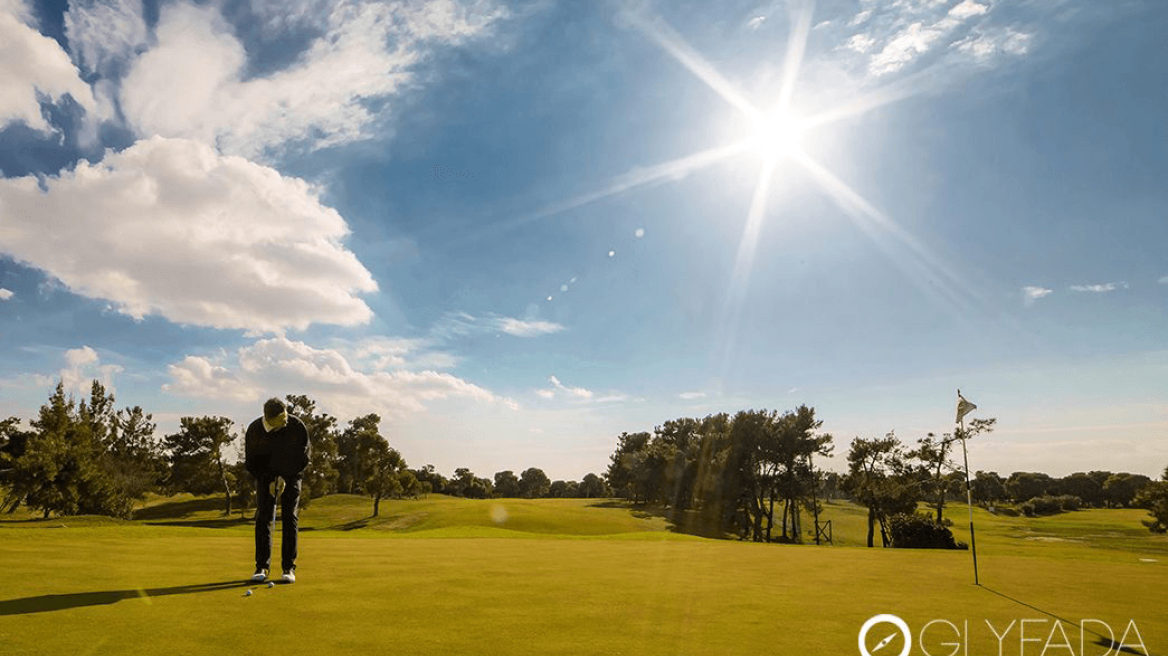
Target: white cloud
905, 46
968, 9
5, 294
1030, 294
559, 388
278, 366
82, 367
688, 396
521, 328
34, 66
1101, 288
104, 33
168, 226
896, 34
613, 398
860, 43
193, 82
756, 22
1164, 280
462, 324
982, 46
203, 378
380, 353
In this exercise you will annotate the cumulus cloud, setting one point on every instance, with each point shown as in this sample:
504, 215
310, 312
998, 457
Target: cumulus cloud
104, 34
82, 367
33, 67
1101, 288
5, 294
1030, 294
193, 83
168, 226
269, 365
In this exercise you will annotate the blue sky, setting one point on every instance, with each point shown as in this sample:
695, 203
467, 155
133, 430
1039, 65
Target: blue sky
515, 230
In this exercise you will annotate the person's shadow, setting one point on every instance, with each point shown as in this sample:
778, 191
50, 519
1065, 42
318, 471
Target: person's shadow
52, 602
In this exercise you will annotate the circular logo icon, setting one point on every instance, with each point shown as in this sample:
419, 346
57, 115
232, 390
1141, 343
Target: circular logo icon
885, 637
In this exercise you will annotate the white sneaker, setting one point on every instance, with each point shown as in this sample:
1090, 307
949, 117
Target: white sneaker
289, 576
259, 576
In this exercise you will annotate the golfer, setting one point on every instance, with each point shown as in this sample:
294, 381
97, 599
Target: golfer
276, 445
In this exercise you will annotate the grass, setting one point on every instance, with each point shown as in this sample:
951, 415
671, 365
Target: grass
558, 577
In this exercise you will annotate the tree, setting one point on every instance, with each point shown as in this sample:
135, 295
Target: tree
593, 487
321, 475
196, 456
383, 478
466, 484
13, 444
878, 478
506, 484
792, 444
622, 462
244, 485
1121, 489
1023, 486
988, 488
410, 485
933, 455
1082, 485
1154, 498
355, 453
533, 483
58, 468
430, 480
133, 460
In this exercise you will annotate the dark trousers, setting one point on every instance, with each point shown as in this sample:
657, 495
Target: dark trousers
266, 521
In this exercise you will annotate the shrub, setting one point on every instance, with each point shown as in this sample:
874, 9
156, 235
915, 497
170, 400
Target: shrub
919, 531
1048, 505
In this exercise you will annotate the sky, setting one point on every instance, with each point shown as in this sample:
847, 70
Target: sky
515, 230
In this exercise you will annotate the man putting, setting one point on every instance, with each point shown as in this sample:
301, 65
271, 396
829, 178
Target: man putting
276, 445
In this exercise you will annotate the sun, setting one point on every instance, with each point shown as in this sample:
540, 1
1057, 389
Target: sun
777, 134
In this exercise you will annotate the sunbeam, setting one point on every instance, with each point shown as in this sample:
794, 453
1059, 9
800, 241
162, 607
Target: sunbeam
862, 104
636, 177
744, 264
672, 43
796, 47
921, 267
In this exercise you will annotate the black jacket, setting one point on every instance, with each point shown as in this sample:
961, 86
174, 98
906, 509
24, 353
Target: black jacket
283, 452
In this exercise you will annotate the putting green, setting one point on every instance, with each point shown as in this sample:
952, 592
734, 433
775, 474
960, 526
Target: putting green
102, 587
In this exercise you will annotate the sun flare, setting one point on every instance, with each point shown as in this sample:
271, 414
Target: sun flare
777, 134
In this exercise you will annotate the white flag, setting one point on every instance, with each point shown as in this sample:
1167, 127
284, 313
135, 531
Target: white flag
963, 407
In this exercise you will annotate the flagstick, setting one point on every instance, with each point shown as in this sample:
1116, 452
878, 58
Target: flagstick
969, 500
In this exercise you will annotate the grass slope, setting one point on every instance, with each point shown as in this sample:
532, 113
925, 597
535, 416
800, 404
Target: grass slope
614, 581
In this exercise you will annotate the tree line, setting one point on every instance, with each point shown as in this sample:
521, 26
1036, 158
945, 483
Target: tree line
753, 475
86, 457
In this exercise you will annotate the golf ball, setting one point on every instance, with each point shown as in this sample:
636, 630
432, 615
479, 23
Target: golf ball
247, 594
270, 584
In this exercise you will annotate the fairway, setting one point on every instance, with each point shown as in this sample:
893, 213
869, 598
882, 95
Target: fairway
443, 576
